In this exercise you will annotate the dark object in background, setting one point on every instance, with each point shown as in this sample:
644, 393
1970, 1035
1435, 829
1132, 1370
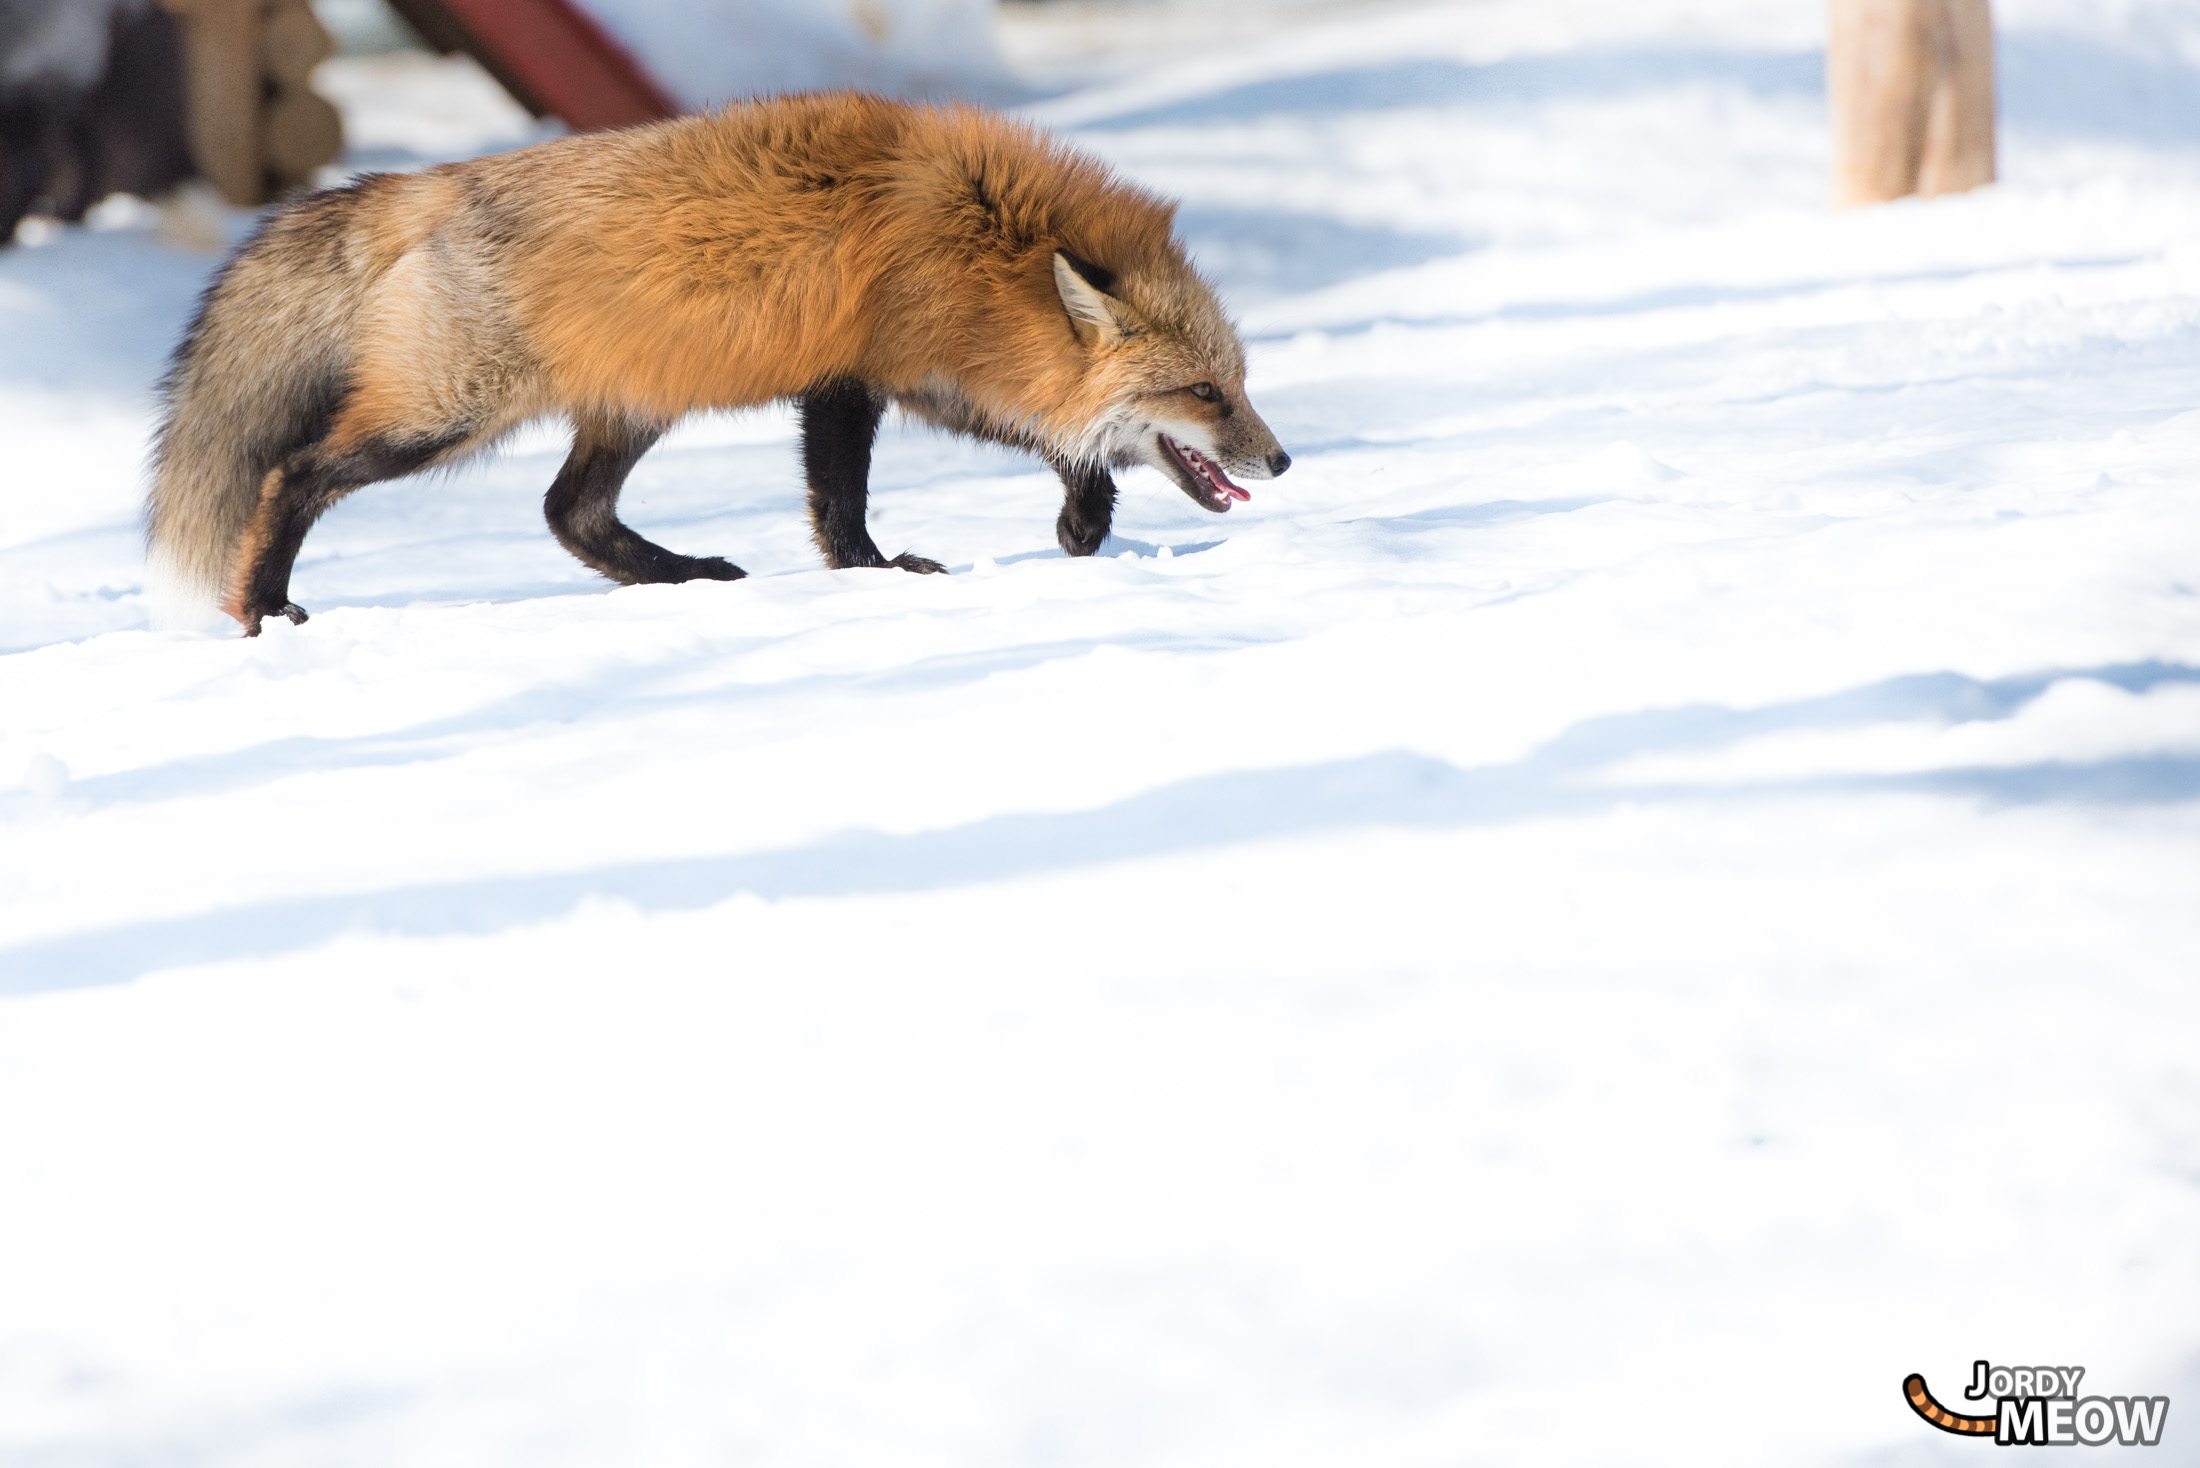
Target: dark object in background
141, 146
136, 96
91, 104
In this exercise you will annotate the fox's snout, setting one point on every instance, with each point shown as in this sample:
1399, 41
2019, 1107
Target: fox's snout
1252, 449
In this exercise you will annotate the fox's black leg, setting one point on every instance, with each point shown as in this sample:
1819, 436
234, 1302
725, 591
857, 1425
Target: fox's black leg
839, 424
1088, 507
583, 502
292, 497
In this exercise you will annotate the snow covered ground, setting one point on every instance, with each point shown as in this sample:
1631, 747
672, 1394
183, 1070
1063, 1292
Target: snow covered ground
1641, 893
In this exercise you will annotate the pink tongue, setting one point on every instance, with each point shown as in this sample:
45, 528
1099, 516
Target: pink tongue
1222, 482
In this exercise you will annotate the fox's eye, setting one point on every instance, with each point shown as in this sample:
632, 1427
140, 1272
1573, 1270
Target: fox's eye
1205, 392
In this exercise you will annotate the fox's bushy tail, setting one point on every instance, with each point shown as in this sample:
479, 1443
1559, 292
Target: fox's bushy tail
259, 375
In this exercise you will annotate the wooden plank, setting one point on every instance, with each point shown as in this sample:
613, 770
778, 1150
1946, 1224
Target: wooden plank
550, 55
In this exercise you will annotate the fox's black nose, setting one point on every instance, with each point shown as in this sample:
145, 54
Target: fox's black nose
1278, 462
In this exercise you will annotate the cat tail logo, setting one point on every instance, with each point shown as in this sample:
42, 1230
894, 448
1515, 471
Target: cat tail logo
1913, 1387
2039, 1406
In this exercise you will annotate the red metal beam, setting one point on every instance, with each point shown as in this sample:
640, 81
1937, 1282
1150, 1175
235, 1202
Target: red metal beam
551, 55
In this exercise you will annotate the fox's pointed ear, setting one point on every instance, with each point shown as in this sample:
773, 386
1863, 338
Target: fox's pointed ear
1096, 315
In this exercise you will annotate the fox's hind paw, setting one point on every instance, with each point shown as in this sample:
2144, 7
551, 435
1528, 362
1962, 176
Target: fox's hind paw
922, 565
290, 609
701, 568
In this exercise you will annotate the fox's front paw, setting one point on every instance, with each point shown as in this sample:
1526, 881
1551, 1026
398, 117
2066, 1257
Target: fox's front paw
922, 565
1078, 535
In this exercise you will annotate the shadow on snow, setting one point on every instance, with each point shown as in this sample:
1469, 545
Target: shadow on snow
1396, 790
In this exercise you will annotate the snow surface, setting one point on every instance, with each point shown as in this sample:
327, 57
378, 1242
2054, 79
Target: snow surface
1641, 893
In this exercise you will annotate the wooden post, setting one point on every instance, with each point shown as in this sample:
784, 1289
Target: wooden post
1912, 87
257, 127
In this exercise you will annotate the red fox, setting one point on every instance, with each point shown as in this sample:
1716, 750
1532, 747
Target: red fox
840, 250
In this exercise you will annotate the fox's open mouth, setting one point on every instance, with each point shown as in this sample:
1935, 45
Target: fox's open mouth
1216, 490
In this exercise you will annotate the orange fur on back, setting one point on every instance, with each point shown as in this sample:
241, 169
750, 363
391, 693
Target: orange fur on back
730, 260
